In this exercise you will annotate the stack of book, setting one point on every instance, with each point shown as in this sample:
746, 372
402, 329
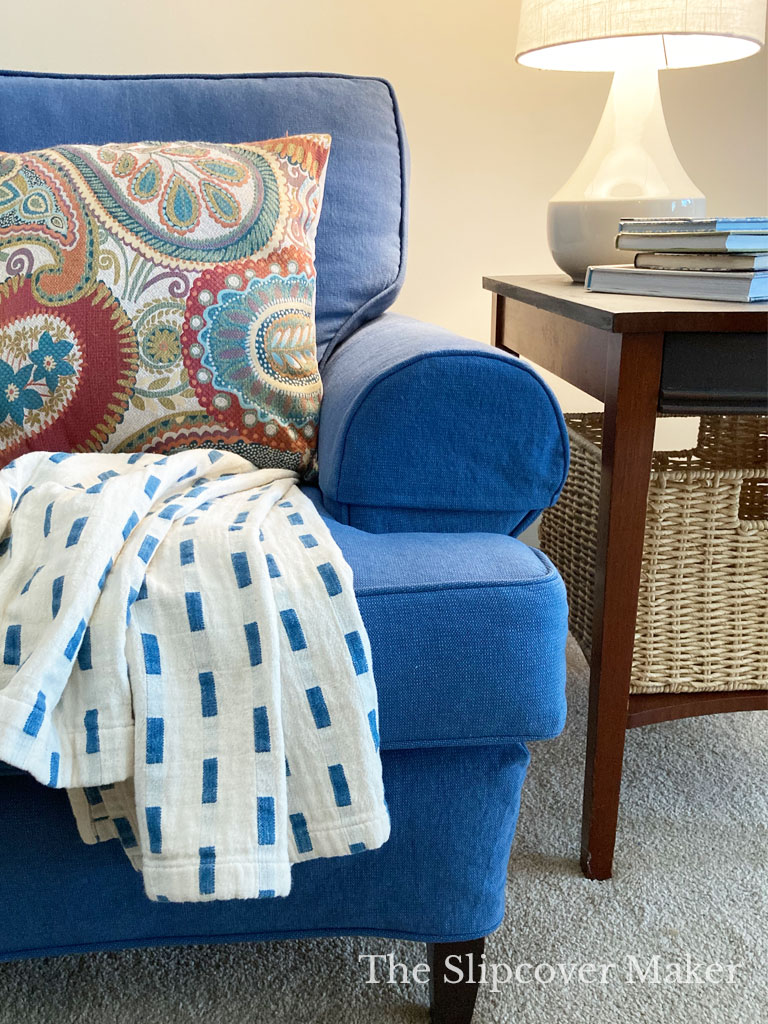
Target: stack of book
724, 259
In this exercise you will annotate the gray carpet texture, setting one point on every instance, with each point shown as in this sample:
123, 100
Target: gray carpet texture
691, 881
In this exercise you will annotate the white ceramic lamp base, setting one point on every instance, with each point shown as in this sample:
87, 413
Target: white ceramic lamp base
630, 170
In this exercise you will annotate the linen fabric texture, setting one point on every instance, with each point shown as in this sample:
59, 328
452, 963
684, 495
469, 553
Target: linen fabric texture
443, 610
158, 295
464, 438
452, 893
182, 650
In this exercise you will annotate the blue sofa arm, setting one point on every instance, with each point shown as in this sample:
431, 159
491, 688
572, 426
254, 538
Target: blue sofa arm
425, 431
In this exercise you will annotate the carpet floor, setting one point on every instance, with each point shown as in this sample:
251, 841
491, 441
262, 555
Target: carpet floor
691, 878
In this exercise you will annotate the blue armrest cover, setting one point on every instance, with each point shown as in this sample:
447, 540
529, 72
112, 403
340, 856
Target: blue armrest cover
422, 430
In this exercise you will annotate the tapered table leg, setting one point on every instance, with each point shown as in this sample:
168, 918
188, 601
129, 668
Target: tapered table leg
633, 370
454, 969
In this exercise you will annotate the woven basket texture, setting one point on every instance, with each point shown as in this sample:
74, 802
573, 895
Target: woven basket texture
702, 621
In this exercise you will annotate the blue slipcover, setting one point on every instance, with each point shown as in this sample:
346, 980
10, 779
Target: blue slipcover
423, 430
442, 610
433, 450
416, 589
439, 877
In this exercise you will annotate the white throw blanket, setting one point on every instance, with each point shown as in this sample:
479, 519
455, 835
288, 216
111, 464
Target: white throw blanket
180, 647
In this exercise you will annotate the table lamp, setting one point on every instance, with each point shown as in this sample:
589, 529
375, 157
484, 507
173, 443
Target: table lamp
631, 168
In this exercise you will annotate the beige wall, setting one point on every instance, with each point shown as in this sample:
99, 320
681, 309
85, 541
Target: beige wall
490, 141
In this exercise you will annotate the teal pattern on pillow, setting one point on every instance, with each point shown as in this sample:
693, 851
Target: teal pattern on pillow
161, 295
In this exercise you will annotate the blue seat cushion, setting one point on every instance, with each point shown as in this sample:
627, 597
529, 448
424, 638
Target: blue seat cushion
467, 635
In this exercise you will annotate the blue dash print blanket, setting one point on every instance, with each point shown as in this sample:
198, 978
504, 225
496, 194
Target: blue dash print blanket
180, 647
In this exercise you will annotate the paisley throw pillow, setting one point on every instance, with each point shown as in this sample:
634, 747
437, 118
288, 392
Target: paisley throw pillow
161, 295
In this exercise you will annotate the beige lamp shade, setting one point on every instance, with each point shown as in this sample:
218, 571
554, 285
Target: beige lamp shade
604, 35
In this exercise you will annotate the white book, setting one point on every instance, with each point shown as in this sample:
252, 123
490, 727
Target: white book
682, 284
694, 241
723, 262
648, 225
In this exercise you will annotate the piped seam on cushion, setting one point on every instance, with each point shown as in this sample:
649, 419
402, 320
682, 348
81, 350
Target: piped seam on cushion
263, 936
453, 742
357, 318
552, 578
356, 505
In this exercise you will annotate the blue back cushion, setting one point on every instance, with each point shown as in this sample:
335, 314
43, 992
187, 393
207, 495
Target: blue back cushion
361, 238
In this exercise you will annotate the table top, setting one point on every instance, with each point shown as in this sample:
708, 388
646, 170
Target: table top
624, 313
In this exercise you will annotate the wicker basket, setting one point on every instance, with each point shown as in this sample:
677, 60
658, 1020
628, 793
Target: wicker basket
702, 621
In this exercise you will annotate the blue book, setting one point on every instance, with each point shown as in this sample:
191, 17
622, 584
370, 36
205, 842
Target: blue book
723, 262
693, 241
682, 284
661, 225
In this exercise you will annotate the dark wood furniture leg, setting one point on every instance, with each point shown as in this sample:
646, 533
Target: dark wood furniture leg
610, 346
633, 370
452, 1001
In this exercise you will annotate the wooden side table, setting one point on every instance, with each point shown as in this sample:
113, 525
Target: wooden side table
638, 356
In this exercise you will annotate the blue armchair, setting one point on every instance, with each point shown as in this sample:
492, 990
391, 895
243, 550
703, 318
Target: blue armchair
434, 452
